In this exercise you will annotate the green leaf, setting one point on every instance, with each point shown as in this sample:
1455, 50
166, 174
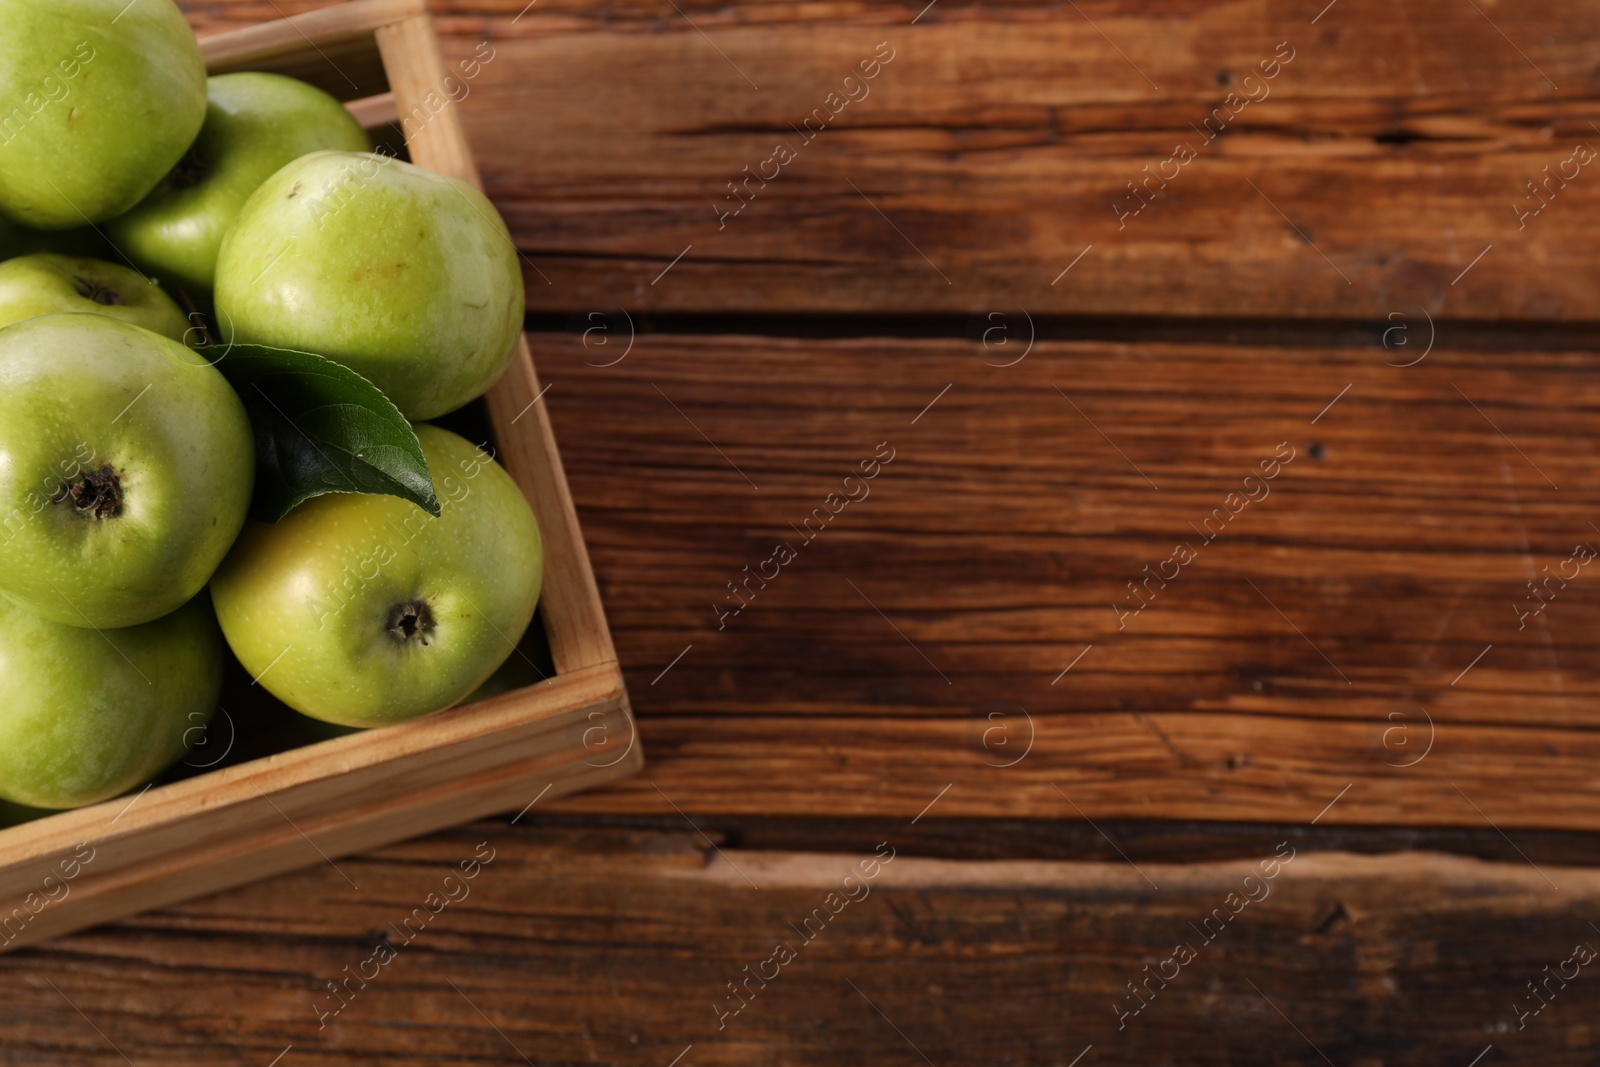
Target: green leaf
321, 428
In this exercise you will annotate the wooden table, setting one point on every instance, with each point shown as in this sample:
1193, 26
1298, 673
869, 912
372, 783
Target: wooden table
1223, 383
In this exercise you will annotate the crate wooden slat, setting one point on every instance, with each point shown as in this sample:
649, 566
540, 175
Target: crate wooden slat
308, 805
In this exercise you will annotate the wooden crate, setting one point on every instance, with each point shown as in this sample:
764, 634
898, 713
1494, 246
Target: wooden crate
310, 804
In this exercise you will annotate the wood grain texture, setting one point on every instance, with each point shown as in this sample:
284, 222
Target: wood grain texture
1384, 157
411, 55
811, 728
329, 45
935, 836
595, 946
919, 640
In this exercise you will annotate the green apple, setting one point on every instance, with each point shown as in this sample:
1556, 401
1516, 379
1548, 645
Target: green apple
365, 610
255, 124
405, 276
89, 715
41, 284
126, 464
98, 99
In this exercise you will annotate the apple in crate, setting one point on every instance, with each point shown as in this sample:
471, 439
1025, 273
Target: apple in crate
126, 465
44, 283
255, 124
88, 715
100, 98
408, 277
363, 610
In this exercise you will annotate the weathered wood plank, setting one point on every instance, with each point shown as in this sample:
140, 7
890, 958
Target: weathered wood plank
617, 947
1304, 649
1002, 140
937, 837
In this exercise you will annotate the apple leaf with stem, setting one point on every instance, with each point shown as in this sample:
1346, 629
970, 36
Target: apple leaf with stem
320, 428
